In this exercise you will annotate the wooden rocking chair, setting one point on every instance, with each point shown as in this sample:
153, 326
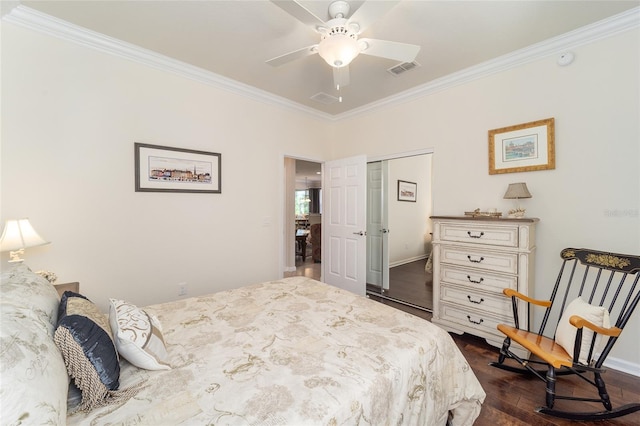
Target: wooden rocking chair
591, 287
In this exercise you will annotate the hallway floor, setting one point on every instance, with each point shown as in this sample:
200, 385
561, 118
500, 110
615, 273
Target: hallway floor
308, 268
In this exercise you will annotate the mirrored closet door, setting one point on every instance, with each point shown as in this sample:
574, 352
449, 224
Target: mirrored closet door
398, 230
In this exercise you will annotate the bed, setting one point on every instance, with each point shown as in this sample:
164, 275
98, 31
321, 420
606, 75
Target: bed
288, 352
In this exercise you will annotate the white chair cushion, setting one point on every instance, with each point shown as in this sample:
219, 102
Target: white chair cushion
566, 333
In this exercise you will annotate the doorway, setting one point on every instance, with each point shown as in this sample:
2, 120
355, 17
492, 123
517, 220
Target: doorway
303, 217
398, 230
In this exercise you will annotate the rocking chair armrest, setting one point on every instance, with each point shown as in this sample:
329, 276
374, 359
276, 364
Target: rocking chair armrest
512, 293
578, 322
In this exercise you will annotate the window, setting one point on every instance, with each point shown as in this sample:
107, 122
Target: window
308, 201
302, 202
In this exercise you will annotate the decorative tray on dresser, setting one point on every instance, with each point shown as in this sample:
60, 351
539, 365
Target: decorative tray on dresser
474, 259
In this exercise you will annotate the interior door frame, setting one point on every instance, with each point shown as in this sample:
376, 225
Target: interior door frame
400, 155
394, 156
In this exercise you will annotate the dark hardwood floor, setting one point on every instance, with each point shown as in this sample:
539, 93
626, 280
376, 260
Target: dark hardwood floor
409, 283
512, 398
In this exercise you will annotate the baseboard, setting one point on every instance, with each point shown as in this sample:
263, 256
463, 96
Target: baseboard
289, 268
409, 260
622, 365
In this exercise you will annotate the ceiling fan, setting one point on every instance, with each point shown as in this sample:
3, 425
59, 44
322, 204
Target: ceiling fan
339, 43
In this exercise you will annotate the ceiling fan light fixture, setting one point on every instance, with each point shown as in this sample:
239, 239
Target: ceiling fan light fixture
338, 50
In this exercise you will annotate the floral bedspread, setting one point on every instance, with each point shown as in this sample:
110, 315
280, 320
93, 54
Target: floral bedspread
297, 352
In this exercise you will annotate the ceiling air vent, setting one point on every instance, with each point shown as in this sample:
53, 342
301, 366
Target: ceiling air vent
324, 98
403, 67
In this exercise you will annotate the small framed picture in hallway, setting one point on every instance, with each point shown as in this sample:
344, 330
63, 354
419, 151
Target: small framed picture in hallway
407, 191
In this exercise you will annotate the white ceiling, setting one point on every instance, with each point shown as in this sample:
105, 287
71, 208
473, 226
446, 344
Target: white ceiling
234, 39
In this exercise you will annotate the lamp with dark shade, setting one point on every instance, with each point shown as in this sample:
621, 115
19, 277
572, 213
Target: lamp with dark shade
17, 235
516, 191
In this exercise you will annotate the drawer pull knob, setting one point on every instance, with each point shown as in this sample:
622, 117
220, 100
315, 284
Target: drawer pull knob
474, 322
474, 281
477, 302
475, 261
475, 236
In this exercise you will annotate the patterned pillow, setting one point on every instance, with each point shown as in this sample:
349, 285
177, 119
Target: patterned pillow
138, 336
84, 339
32, 373
31, 294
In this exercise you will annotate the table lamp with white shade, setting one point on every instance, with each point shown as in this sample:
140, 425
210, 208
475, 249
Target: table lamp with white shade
17, 235
516, 191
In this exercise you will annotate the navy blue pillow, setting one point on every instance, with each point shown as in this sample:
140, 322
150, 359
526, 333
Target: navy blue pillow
91, 332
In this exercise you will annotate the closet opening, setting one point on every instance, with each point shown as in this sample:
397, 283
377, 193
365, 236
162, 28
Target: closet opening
399, 205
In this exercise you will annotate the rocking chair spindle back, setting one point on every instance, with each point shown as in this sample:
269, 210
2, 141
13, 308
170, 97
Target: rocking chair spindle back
594, 296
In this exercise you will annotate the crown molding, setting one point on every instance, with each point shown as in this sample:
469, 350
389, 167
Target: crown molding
585, 35
32, 19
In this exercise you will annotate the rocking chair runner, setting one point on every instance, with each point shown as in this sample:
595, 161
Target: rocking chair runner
591, 287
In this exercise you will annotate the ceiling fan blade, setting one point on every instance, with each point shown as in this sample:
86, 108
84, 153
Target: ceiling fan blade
292, 56
299, 12
341, 77
390, 49
371, 11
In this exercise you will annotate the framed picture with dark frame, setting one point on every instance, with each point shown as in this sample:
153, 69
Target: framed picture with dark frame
522, 148
170, 169
407, 191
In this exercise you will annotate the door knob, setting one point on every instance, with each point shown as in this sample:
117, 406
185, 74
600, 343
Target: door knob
360, 233
384, 231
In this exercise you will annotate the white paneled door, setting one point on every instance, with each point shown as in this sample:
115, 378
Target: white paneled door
344, 223
377, 224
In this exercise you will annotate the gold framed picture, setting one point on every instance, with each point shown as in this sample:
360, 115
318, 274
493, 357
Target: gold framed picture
522, 148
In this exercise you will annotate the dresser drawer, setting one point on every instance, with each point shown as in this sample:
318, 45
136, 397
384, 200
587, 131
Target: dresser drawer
504, 236
477, 278
480, 259
467, 298
476, 320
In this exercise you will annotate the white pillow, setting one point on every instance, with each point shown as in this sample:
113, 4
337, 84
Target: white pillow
566, 333
33, 376
29, 292
138, 336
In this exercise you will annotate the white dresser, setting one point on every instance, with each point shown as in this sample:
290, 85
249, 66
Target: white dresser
474, 259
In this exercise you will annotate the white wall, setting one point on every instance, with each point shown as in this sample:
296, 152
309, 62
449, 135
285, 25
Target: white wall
591, 199
409, 222
70, 117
